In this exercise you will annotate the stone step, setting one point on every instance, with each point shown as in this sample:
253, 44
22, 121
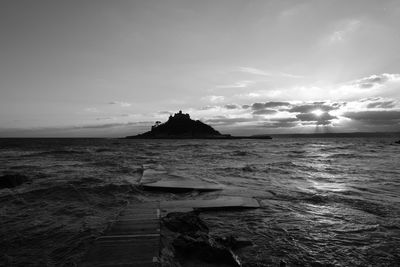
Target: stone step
131, 240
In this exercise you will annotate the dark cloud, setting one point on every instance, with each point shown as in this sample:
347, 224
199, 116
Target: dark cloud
323, 119
257, 106
245, 106
284, 119
370, 99
267, 107
271, 104
308, 108
382, 104
264, 112
339, 105
231, 106
375, 116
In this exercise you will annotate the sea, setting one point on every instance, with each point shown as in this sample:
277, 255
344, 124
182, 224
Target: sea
325, 201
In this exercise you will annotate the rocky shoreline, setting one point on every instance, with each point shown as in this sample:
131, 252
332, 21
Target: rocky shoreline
187, 241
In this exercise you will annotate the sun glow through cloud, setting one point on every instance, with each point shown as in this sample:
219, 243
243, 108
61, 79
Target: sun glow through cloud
318, 112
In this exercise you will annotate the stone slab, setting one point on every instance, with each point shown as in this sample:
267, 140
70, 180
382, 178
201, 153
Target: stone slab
160, 179
177, 185
131, 240
128, 251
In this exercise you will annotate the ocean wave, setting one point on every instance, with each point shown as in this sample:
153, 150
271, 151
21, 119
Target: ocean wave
357, 229
249, 168
352, 156
317, 199
100, 150
57, 153
240, 153
348, 200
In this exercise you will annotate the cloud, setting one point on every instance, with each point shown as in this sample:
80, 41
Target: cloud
223, 120
264, 112
306, 112
323, 119
267, 107
386, 117
308, 108
281, 123
382, 104
231, 106
207, 108
120, 103
284, 119
373, 86
271, 104
376, 80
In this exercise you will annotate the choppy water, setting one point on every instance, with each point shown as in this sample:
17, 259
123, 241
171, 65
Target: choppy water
325, 202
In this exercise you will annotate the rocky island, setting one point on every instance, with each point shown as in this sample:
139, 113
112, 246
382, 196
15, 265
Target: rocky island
181, 126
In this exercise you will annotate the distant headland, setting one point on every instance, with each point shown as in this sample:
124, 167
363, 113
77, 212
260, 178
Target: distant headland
181, 126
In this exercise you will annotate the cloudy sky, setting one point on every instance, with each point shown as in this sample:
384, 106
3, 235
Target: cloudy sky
111, 68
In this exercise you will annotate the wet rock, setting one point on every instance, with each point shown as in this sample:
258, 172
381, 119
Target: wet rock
234, 242
202, 248
194, 244
12, 180
184, 223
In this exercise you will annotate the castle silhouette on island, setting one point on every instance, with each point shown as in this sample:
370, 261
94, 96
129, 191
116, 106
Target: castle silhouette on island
181, 126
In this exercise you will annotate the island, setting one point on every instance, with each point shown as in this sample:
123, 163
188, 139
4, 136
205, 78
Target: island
181, 126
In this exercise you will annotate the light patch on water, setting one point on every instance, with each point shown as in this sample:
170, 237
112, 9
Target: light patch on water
328, 186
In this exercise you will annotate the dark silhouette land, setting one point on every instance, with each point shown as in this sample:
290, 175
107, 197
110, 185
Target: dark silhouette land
181, 126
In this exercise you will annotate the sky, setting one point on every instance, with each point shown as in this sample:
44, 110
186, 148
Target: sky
82, 68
